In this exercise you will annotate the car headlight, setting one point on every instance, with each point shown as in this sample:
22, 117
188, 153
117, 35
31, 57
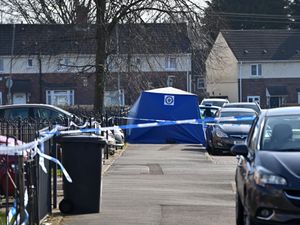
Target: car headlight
220, 133
262, 178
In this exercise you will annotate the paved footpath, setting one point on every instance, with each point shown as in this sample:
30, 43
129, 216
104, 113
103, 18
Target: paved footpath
165, 185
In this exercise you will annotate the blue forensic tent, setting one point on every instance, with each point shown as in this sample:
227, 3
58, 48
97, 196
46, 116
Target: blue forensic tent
165, 104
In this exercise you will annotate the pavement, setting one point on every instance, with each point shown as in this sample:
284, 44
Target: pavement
56, 217
163, 185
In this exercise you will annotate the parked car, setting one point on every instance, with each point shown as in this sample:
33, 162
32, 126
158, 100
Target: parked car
36, 112
8, 164
267, 174
250, 105
231, 127
207, 111
214, 101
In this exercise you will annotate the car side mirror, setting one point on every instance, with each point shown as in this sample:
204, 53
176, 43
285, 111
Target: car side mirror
240, 150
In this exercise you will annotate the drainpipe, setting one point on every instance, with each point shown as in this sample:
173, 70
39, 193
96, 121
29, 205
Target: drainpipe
11, 64
40, 78
241, 88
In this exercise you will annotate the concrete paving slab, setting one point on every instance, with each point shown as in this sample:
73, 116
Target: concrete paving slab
164, 185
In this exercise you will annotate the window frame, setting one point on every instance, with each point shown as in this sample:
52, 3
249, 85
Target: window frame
1, 65
168, 63
258, 69
253, 97
202, 82
52, 94
170, 81
28, 64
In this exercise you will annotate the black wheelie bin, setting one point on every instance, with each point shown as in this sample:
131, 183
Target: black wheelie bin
82, 158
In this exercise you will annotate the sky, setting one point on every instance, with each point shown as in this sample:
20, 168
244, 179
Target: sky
201, 2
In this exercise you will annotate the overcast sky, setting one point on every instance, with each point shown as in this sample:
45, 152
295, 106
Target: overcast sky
201, 2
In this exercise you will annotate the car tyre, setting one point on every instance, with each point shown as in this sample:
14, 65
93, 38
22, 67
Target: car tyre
239, 210
208, 147
214, 151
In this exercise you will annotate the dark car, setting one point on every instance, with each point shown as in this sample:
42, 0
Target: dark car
231, 127
268, 171
249, 105
36, 112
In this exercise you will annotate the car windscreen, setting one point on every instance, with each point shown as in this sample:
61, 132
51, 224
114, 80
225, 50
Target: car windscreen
208, 112
254, 107
281, 133
215, 103
248, 121
237, 114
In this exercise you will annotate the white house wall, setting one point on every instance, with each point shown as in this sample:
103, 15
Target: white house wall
279, 69
50, 64
222, 71
149, 63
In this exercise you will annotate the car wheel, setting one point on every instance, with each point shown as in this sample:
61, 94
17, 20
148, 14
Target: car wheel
214, 151
239, 210
247, 219
208, 147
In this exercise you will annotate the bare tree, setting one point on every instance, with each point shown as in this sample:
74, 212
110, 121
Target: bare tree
106, 15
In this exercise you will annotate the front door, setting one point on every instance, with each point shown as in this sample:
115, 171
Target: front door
274, 102
19, 98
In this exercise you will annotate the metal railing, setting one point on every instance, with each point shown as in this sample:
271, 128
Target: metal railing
24, 185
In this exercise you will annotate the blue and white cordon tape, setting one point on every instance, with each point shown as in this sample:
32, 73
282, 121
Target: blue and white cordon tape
32, 147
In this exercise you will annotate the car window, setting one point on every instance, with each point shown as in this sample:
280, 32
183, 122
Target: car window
237, 114
281, 133
47, 114
208, 112
215, 103
16, 113
253, 134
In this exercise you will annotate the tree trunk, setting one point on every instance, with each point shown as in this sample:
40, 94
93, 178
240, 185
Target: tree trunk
100, 55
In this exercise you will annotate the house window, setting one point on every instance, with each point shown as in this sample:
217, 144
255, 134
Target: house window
29, 62
298, 97
253, 99
114, 98
170, 63
60, 97
150, 84
170, 81
1, 65
200, 83
64, 63
256, 70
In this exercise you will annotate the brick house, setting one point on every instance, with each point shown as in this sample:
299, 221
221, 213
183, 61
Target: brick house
255, 65
53, 64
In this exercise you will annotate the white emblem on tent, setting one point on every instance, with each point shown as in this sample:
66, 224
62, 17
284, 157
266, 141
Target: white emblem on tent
169, 100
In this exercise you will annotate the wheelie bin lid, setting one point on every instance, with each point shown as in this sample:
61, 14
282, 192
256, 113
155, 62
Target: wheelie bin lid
89, 138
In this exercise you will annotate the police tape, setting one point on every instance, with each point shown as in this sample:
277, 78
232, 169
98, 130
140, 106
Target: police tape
32, 148
200, 120
157, 123
13, 217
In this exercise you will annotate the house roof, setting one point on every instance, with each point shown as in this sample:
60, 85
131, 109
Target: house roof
31, 39
153, 38
253, 45
52, 39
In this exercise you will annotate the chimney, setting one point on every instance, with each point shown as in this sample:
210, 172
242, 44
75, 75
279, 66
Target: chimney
81, 16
